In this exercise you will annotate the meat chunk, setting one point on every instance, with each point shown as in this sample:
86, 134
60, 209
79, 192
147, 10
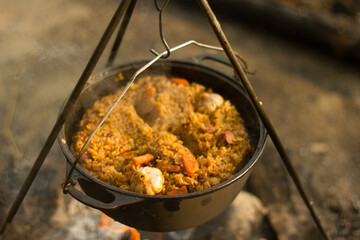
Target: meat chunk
147, 180
146, 106
209, 102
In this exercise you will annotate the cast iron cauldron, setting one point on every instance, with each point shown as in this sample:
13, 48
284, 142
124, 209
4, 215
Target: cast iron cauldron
162, 213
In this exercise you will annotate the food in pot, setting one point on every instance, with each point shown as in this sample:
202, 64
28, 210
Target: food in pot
166, 136
148, 180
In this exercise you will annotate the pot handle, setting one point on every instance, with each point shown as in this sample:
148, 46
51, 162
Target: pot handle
116, 200
220, 59
208, 56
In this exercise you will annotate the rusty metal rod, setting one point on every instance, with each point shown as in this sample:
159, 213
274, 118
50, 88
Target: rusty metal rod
63, 115
255, 101
121, 32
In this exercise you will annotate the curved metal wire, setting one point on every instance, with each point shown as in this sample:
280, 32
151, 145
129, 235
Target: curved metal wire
156, 5
68, 181
211, 47
161, 10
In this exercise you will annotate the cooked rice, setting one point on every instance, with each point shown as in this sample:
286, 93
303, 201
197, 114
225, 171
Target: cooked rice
168, 120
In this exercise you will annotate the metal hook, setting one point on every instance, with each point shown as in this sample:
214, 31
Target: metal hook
156, 5
161, 9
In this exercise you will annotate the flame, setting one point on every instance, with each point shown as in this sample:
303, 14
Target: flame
116, 227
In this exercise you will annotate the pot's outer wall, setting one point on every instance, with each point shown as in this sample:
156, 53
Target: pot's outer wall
157, 213
174, 215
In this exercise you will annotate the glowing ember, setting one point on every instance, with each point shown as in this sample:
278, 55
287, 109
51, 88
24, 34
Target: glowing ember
116, 227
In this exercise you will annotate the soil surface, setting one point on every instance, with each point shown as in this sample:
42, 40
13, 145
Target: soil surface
311, 96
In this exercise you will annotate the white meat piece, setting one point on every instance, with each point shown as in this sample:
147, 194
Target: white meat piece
147, 180
210, 102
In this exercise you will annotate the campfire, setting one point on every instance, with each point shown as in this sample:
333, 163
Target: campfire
116, 227
245, 218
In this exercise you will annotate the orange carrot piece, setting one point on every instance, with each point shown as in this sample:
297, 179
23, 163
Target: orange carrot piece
182, 190
142, 159
120, 76
190, 164
181, 81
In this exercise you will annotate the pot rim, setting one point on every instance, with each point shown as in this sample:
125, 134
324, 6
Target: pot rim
247, 167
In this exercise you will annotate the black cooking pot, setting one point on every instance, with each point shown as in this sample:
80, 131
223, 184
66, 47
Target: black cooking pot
162, 213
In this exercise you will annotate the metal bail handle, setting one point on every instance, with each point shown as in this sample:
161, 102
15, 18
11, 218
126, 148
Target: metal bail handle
136, 74
161, 10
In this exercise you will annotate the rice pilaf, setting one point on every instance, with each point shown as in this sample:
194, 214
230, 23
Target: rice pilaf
166, 136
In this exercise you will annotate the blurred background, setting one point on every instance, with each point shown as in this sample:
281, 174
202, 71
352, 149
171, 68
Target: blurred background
305, 56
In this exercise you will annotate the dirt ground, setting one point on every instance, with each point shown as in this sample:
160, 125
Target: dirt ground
312, 98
